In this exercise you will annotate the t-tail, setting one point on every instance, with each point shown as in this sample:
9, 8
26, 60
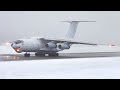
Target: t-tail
72, 28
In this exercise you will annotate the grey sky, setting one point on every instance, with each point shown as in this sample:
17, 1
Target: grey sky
18, 24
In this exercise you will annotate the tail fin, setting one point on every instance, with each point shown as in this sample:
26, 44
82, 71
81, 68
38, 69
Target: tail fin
73, 27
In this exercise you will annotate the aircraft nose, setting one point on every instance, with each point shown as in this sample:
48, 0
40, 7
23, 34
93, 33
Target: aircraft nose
14, 46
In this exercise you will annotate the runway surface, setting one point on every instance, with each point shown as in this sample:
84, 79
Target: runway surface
18, 57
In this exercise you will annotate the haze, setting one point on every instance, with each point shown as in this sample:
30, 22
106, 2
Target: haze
20, 24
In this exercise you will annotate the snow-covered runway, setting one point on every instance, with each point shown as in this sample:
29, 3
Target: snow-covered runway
20, 57
64, 68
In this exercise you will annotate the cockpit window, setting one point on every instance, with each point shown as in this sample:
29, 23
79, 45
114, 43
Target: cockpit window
18, 41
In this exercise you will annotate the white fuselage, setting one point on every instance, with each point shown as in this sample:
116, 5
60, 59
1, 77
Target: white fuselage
32, 45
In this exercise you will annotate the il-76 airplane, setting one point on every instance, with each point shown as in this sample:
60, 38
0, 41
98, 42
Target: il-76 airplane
43, 46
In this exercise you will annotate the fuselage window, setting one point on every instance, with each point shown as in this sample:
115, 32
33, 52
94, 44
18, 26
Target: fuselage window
18, 42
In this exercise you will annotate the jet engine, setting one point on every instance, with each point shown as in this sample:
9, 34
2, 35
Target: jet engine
51, 45
64, 46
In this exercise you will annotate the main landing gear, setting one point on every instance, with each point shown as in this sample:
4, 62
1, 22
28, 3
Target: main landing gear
49, 54
39, 54
53, 54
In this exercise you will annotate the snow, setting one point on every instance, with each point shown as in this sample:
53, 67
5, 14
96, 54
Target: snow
82, 68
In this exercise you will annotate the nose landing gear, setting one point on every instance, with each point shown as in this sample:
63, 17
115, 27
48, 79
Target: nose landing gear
27, 54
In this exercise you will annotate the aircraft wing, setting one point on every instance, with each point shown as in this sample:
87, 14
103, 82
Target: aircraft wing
68, 41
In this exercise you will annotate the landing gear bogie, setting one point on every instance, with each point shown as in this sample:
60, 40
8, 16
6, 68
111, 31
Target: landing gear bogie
44, 54
39, 54
53, 54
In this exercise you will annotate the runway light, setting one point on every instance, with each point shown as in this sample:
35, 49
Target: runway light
111, 45
16, 58
7, 43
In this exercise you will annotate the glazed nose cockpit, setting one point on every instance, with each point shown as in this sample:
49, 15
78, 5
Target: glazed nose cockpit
16, 45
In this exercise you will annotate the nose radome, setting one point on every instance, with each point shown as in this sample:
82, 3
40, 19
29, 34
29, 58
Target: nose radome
15, 46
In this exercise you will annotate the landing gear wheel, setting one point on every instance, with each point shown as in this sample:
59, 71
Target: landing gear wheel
49, 54
36, 54
56, 54
39, 54
53, 54
27, 55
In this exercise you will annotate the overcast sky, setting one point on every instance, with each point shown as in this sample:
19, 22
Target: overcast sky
19, 24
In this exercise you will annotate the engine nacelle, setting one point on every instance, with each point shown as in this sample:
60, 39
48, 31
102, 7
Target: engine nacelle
51, 45
64, 46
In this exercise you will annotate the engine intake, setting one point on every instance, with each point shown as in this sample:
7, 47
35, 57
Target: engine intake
51, 45
64, 46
